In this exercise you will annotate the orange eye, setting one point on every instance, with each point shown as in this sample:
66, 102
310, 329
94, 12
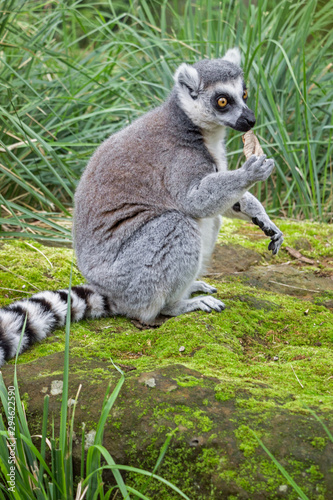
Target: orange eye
245, 95
222, 102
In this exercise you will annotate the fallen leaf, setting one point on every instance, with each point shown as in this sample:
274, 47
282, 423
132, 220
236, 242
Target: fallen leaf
297, 255
126, 368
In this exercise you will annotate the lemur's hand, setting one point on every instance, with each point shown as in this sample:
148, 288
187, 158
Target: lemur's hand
258, 168
270, 229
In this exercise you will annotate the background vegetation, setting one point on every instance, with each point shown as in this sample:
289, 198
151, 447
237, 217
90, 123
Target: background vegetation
72, 72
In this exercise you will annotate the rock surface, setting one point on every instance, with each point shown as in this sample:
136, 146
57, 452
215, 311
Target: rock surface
263, 365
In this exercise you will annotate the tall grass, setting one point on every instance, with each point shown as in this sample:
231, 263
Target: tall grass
73, 72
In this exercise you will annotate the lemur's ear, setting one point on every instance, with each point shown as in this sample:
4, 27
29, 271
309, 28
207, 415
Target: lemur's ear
233, 56
187, 77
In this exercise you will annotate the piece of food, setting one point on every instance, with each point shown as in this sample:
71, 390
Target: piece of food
251, 145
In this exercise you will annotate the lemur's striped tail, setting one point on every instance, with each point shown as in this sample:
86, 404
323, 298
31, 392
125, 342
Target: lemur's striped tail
45, 312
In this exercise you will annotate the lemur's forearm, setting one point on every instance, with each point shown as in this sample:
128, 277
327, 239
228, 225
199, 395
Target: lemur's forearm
216, 193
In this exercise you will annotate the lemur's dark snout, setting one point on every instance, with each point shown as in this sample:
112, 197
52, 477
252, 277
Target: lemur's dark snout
246, 120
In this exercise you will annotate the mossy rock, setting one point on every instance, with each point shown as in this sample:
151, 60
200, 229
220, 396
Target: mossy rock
213, 452
262, 365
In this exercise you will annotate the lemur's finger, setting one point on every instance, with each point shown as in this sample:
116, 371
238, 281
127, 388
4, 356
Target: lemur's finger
251, 160
270, 164
260, 160
275, 244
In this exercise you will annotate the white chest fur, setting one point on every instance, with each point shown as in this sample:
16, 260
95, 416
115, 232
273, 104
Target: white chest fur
209, 229
214, 141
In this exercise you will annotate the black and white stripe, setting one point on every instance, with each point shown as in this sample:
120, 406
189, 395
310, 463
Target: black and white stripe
45, 311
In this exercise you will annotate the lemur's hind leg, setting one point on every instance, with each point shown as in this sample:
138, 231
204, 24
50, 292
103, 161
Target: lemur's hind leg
204, 303
209, 230
154, 269
200, 286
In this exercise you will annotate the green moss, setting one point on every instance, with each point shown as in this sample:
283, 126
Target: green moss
224, 391
185, 422
315, 474
248, 443
25, 400
90, 425
100, 374
182, 415
210, 459
188, 381
319, 442
257, 476
172, 469
203, 422
256, 404
115, 423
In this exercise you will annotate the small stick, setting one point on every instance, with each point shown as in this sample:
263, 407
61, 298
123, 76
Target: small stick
37, 250
297, 377
296, 287
13, 290
18, 276
17, 145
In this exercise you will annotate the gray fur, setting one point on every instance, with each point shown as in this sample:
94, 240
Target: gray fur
149, 203
148, 209
213, 71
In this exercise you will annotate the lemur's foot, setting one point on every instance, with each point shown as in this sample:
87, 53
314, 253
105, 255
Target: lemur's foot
207, 304
201, 286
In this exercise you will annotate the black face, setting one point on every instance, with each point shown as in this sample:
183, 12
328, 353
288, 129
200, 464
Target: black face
246, 121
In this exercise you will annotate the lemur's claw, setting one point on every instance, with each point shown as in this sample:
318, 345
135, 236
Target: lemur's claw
276, 243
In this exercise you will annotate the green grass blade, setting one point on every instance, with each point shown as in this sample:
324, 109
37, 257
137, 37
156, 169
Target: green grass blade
281, 469
329, 434
137, 470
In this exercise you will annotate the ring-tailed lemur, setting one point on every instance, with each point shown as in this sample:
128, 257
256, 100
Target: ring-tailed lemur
148, 209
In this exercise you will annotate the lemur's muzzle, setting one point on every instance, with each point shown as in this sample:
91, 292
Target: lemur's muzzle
246, 120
